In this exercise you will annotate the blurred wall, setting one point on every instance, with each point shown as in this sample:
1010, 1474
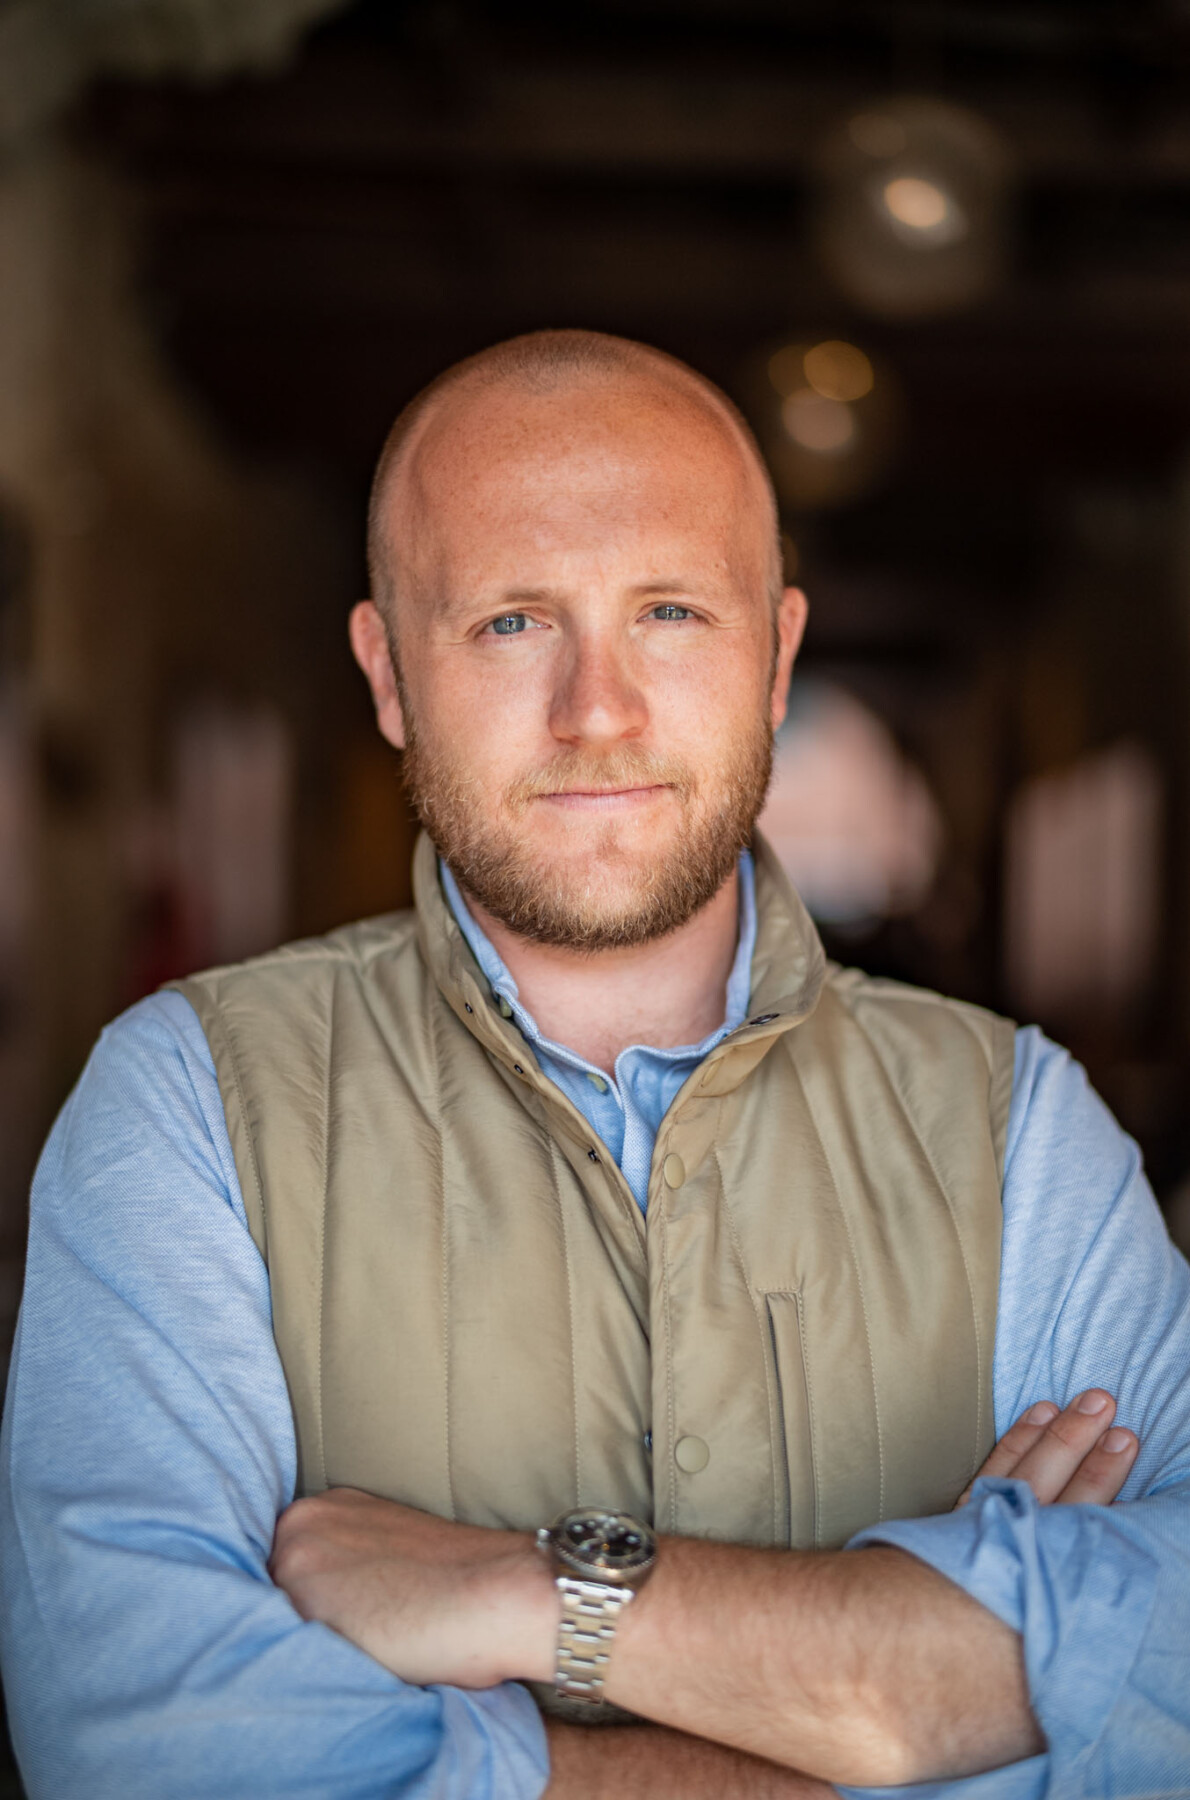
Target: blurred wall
940, 256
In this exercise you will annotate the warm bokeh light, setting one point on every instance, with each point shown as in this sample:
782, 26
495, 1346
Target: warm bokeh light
924, 208
828, 416
838, 371
913, 206
824, 426
877, 134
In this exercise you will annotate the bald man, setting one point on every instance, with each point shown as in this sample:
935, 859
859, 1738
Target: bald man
575, 1302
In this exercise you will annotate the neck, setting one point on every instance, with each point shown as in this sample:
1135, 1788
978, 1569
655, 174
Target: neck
669, 992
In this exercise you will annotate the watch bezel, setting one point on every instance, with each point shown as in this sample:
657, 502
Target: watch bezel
571, 1555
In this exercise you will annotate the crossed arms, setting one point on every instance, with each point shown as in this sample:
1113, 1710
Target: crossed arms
862, 1667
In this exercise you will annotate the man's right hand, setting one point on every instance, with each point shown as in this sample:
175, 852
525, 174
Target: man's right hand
1066, 1457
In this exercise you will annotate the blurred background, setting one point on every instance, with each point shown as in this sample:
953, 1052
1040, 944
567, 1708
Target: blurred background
939, 254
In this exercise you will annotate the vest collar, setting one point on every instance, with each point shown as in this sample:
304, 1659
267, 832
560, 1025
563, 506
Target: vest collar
450, 961
788, 969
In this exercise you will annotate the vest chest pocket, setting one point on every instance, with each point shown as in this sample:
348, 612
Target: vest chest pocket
795, 1416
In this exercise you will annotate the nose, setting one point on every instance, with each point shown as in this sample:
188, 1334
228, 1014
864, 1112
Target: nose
596, 701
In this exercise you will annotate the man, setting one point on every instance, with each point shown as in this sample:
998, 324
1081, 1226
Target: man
590, 1187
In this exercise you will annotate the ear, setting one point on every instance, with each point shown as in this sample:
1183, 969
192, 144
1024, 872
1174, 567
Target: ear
791, 623
369, 642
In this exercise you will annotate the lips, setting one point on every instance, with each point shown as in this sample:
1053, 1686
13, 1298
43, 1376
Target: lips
647, 787
603, 797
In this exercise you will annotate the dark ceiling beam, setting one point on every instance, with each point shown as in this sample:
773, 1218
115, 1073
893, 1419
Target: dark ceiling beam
736, 121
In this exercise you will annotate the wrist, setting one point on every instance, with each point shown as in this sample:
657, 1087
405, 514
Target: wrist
599, 1560
526, 1613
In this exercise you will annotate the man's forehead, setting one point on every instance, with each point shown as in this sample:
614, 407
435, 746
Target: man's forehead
640, 451
481, 429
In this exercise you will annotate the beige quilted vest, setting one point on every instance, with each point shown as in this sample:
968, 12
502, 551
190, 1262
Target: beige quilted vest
475, 1318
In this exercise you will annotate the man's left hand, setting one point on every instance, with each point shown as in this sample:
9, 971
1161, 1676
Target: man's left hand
432, 1601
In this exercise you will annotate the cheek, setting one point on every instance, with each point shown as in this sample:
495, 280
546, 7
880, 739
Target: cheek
483, 717
712, 698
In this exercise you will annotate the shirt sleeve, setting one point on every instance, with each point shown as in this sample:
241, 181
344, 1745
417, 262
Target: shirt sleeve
1092, 1294
147, 1450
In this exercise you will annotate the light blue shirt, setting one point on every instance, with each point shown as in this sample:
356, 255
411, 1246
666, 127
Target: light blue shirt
148, 1447
627, 1111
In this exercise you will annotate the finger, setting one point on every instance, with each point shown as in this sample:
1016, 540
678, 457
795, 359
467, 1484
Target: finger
1104, 1469
1018, 1439
1055, 1458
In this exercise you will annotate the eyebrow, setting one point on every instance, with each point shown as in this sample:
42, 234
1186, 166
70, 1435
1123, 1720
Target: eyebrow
669, 585
666, 584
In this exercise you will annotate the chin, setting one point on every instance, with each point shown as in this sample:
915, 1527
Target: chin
597, 873
594, 841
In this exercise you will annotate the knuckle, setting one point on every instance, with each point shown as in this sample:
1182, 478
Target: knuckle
291, 1561
1096, 1472
295, 1539
305, 1517
1071, 1430
1064, 1431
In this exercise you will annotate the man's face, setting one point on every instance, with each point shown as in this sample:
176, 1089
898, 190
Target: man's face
589, 676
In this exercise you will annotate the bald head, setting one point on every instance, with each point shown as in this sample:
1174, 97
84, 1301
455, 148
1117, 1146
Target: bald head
545, 389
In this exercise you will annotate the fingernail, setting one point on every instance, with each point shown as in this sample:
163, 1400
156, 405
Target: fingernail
1042, 1413
1117, 1439
1091, 1402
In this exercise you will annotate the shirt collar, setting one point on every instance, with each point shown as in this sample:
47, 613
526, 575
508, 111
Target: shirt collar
504, 987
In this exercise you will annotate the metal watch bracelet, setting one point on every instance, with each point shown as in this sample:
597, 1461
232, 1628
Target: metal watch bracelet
590, 1612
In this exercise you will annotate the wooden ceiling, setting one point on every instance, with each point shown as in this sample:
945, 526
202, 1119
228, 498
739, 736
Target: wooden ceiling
426, 178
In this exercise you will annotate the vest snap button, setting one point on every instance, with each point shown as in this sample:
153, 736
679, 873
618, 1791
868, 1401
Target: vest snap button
691, 1454
762, 1019
674, 1170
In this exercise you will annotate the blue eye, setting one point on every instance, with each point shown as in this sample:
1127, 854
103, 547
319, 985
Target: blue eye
669, 611
509, 624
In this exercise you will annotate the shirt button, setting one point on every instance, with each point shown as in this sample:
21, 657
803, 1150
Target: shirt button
691, 1454
505, 1010
674, 1170
598, 1083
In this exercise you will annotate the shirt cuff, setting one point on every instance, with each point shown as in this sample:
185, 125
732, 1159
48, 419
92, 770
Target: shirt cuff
494, 1741
1018, 1781
1079, 1591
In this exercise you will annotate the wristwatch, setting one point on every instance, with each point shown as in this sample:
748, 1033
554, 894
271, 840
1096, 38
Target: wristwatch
600, 1560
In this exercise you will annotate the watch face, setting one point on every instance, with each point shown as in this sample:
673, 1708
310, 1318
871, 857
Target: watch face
607, 1546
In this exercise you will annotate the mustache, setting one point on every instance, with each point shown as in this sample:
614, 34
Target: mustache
577, 770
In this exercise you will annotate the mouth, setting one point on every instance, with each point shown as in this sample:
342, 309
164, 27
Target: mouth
593, 799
